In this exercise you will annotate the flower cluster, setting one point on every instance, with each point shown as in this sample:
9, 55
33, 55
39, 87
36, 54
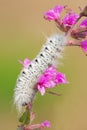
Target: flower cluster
63, 23
67, 24
49, 79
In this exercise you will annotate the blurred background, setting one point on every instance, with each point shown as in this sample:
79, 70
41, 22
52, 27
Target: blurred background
22, 33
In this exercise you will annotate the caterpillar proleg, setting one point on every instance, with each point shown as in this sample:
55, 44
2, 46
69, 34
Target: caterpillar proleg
25, 86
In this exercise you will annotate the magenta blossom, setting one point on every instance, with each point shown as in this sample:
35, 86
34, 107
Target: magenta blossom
50, 79
53, 14
70, 19
25, 63
45, 124
84, 23
83, 45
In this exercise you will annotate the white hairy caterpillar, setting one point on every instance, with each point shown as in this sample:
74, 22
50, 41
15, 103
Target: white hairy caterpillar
25, 86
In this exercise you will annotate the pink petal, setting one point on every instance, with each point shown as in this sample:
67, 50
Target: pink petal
84, 23
83, 45
61, 79
50, 84
58, 9
41, 89
25, 63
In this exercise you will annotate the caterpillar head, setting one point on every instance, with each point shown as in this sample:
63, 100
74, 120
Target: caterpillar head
57, 40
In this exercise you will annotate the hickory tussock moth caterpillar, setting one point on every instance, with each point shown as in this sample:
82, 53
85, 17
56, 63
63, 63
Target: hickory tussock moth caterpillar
25, 86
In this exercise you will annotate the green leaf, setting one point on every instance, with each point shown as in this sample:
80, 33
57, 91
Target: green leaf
25, 118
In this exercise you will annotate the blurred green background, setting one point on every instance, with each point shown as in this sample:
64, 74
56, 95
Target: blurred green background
22, 33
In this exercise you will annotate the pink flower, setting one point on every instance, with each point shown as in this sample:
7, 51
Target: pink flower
25, 63
70, 19
50, 79
83, 45
84, 23
53, 14
46, 124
